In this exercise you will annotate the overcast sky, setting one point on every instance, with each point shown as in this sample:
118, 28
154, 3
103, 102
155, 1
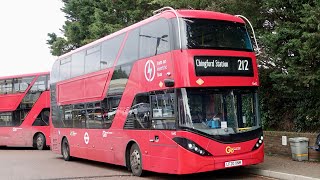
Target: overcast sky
24, 25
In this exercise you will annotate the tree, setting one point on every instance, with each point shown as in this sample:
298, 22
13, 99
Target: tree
292, 38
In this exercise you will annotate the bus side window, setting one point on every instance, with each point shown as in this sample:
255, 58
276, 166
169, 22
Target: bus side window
95, 115
139, 113
163, 114
109, 51
130, 50
109, 109
6, 119
43, 118
65, 68
154, 38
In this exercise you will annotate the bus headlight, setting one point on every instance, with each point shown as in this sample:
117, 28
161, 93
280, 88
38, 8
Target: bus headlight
258, 143
191, 146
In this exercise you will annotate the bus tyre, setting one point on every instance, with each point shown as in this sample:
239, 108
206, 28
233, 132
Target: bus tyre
40, 141
135, 160
65, 150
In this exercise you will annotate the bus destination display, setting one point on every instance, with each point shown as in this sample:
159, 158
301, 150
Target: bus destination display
223, 66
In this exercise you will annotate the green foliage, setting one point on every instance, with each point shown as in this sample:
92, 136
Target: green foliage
292, 36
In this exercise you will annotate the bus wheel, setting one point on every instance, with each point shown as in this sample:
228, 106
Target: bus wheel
65, 150
135, 160
40, 142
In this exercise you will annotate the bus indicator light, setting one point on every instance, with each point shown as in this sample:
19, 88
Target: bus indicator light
200, 81
161, 84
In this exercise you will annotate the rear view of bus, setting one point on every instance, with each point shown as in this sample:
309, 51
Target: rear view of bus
175, 93
24, 110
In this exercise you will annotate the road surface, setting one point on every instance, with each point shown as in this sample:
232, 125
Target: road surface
25, 164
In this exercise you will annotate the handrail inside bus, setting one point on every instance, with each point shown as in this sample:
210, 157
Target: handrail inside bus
254, 36
175, 12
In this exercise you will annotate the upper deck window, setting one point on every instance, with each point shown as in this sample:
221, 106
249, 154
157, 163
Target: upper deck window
130, 50
77, 63
6, 86
92, 59
154, 38
109, 51
15, 85
216, 34
40, 84
65, 68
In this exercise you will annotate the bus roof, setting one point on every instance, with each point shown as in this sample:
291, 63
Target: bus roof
166, 14
24, 75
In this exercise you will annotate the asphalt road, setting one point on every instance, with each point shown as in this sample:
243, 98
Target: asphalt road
25, 164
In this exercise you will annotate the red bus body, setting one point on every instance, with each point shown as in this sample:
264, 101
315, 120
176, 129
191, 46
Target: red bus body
159, 147
23, 102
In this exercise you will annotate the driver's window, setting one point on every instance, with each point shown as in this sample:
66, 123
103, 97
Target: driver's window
163, 114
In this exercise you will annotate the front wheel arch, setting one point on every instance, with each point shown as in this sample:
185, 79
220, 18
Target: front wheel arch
127, 154
134, 159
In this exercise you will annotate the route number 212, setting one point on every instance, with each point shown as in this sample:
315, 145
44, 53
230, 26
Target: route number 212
243, 65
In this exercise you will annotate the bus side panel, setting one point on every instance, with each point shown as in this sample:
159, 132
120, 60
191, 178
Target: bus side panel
90, 88
100, 145
10, 102
70, 91
163, 151
94, 85
160, 69
55, 140
5, 135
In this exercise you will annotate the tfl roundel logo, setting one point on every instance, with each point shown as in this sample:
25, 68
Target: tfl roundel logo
149, 70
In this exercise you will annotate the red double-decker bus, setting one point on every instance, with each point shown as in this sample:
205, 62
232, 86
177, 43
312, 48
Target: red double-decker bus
175, 93
25, 110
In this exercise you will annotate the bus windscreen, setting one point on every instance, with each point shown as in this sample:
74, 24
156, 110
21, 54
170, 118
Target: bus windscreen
218, 111
216, 34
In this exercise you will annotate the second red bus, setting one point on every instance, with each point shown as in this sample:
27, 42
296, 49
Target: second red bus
25, 110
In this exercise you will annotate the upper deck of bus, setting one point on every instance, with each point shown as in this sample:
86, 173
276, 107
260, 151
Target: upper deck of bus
23, 75
165, 14
14, 88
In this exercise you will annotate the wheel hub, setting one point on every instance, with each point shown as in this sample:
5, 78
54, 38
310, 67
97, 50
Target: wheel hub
39, 142
135, 160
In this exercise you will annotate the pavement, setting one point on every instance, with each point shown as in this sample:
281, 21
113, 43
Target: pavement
282, 167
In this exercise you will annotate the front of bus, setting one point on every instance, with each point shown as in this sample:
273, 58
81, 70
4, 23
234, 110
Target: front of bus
216, 76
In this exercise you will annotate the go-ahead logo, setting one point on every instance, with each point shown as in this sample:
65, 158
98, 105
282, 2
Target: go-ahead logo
232, 149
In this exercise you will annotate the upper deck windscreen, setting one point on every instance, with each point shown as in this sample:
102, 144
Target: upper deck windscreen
215, 34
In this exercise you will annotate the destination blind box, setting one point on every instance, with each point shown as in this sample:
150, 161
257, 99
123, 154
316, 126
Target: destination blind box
223, 66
